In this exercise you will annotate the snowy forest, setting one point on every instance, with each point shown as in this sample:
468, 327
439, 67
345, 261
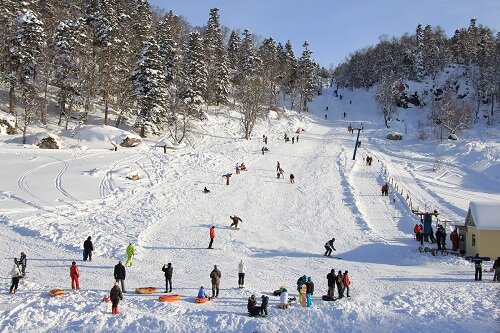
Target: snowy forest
124, 62
421, 57
143, 66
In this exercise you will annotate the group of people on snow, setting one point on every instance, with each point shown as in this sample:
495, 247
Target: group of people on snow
341, 281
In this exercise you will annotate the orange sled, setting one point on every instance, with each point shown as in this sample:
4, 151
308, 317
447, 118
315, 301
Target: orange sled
56, 292
145, 290
170, 298
201, 300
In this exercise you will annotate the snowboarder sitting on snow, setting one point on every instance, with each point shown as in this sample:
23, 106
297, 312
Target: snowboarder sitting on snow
206, 190
329, 247
243, 167
253, 309
235, 219
263, 306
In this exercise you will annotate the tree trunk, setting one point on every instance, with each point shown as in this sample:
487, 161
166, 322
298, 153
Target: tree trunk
68, 116
63, 111
43, 111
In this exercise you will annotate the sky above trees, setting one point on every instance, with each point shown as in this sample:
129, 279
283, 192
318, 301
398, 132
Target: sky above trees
334, 29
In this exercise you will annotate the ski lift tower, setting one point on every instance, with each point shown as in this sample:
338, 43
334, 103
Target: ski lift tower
358, 143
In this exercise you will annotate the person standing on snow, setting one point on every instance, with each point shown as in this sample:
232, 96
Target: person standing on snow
309, 292
263, 306
116, 296
283, 299
15, 274
212, 236
169, 271
300, 281
22, 262
329, 247
215, 277
347, 282
292, 179
74, 273
479, 267
454, 239
496, 270
340, 284
88, 247
331, 283
241, 274
236, 220
278, 166
119, 274
130, 254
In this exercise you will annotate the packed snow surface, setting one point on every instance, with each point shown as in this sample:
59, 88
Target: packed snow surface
50, 201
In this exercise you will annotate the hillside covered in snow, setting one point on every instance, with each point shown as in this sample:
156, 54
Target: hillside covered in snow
52, 200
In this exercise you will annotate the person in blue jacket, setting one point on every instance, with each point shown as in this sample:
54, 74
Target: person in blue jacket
202, 293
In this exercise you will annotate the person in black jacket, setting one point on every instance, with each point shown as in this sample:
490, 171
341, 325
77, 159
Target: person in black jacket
331, 283
22, 263
88, 247
253, 309
120, 275
169, 270
478, 266
329, 247
263, 305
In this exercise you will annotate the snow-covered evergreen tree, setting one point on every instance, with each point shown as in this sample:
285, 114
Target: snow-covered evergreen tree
234, 50
194, 85
216, 62
150, 85
306, 77
419, 53
270, 70
68, 44
26, 48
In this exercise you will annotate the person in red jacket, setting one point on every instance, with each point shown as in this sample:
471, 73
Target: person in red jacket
347, 282
74, 273
212, 236
454, 239
417, 232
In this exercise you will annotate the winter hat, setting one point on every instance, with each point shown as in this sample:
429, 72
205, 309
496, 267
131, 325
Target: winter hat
73, 263
309, 278
346, 272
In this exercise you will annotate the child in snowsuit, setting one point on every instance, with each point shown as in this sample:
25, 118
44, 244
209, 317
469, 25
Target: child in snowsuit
347, 282
263, 306
130, 254
74, 273
283, 299
292, 178
115, 295
15, 274
301, 280
329, 247
202, 293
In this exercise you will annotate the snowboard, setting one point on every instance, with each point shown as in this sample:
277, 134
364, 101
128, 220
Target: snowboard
328, 298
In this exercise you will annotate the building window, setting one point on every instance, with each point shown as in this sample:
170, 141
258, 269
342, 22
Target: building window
473, 240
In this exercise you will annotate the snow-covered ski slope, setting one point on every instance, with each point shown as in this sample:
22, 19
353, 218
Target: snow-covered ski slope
50, 201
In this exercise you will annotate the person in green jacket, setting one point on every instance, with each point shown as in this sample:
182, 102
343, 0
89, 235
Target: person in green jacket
130, 254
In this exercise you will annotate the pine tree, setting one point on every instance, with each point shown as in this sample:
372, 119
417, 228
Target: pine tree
194, 85
234, 50
419, 53
26, 48
150, 85
270, 70
216, 62
306, 77
68, 43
